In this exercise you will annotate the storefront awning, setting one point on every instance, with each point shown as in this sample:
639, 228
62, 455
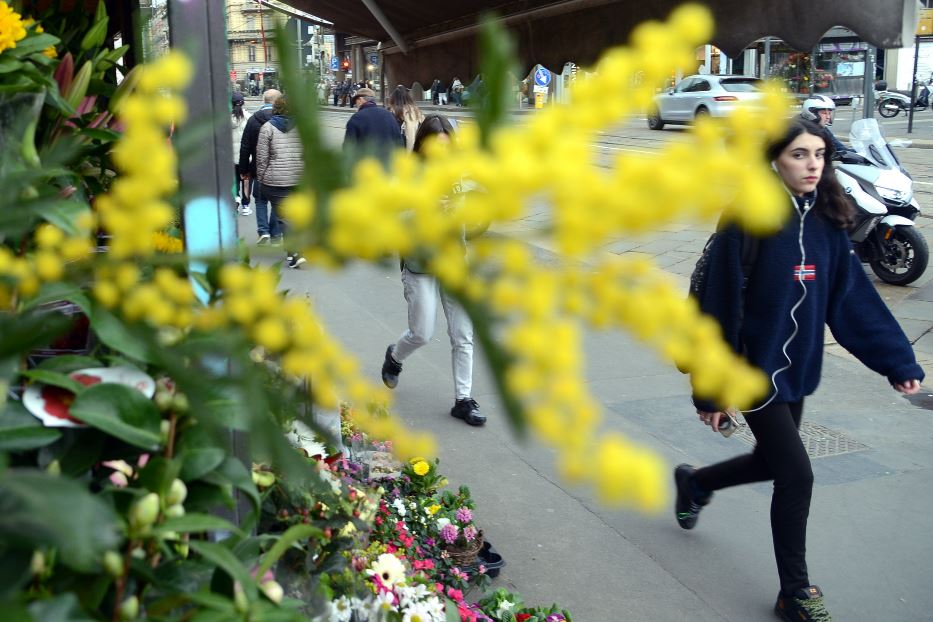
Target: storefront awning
424, 40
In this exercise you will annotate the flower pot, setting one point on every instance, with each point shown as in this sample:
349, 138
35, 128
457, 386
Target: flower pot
465, 555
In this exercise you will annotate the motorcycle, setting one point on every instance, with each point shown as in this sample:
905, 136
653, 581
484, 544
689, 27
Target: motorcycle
883, 233
891, 103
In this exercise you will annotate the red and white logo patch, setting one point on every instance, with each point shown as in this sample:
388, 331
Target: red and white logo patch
805, 272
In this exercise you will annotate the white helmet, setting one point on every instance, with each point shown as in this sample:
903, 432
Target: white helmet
813, 104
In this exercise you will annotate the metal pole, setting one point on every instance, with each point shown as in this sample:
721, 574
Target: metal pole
298, 42
766, 62
206, 174
913, 87
868, 89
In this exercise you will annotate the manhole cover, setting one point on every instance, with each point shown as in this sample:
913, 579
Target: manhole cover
819, 440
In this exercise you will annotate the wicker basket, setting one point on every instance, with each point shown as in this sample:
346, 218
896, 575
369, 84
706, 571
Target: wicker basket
465, 556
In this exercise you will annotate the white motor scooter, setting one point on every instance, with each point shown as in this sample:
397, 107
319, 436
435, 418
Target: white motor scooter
883, 233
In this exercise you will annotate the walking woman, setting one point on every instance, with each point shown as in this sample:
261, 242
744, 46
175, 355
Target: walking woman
804, 277
279, 164
421, 292
239, 117
409, 116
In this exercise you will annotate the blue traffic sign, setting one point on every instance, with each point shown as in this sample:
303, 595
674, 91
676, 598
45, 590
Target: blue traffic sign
334, 63
542, 76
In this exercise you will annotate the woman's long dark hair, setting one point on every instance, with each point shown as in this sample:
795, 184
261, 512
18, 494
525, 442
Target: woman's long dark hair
831, 200
398, 100
431, 125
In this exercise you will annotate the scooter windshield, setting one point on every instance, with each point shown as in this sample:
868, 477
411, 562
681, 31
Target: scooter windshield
866, 139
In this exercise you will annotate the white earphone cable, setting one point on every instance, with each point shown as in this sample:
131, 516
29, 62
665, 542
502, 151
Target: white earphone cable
800, 279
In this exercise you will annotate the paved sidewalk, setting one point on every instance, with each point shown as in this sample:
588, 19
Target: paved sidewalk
870, 547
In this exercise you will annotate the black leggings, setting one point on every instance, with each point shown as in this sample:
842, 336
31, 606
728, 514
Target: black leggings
779, 455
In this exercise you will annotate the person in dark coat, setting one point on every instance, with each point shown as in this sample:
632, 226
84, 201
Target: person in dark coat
805, 277
371, 130
268, 231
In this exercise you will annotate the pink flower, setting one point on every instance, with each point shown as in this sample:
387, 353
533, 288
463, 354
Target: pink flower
454, 594
391, 548
423, 564
464, 515
449, 533
469, 533
459, 574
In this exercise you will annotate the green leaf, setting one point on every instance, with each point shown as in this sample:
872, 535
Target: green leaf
105, 136
55, 379
450, 611
26, 331
158, 474
62, 608
285, 541
31, 44
120, 411
237, 474
195, 522
223, 558
58, 291
62, 213
37, 509
496, 50
25, 436
118, 336
67, 363
95, 36
8, 65
199, 462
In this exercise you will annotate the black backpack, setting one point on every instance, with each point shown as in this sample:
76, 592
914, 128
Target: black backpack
698, 277
700, 274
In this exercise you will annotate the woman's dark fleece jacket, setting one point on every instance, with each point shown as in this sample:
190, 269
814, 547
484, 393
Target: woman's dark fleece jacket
838, 293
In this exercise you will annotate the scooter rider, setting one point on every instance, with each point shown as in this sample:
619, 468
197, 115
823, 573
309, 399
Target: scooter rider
821, 109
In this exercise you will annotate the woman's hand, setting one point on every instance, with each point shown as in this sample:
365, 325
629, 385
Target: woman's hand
711, 419
908, 388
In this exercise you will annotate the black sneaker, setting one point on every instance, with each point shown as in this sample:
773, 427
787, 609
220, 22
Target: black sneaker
390, 369
297, 261
687, 508
468, 410
806, 605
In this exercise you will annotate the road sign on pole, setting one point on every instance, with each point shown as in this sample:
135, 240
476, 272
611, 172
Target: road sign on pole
334, 63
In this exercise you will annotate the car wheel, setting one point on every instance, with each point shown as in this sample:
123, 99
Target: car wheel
655, 122
702, 111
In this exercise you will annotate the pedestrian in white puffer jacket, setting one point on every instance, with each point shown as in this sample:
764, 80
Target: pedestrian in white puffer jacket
279, 164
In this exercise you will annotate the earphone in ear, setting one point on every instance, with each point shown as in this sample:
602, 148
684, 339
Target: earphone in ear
774, 166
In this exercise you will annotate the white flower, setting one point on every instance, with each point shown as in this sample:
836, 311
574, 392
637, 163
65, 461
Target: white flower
382, 605
441, 522
417, 613
399, 506
389, 569
408, 596
504, 606
340, 610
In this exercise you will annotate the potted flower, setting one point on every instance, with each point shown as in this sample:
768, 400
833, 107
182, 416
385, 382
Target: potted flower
458, 534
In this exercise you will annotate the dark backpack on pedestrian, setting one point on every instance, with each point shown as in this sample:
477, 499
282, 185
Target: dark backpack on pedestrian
700, 275
698, 278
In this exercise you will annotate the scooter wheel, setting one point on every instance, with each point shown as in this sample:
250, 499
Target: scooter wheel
888, 108
905, 255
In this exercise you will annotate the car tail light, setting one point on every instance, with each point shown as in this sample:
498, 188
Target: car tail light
726, 98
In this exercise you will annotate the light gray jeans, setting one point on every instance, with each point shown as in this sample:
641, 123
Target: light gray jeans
421, 292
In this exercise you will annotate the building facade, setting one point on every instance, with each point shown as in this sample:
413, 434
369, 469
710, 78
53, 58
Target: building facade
250, 29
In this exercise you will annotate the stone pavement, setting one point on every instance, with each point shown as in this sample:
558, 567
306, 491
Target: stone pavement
870, 547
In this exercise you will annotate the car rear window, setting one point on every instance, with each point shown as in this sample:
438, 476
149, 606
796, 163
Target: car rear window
741, 85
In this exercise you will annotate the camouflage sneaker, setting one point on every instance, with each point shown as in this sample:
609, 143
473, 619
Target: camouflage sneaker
806, 605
